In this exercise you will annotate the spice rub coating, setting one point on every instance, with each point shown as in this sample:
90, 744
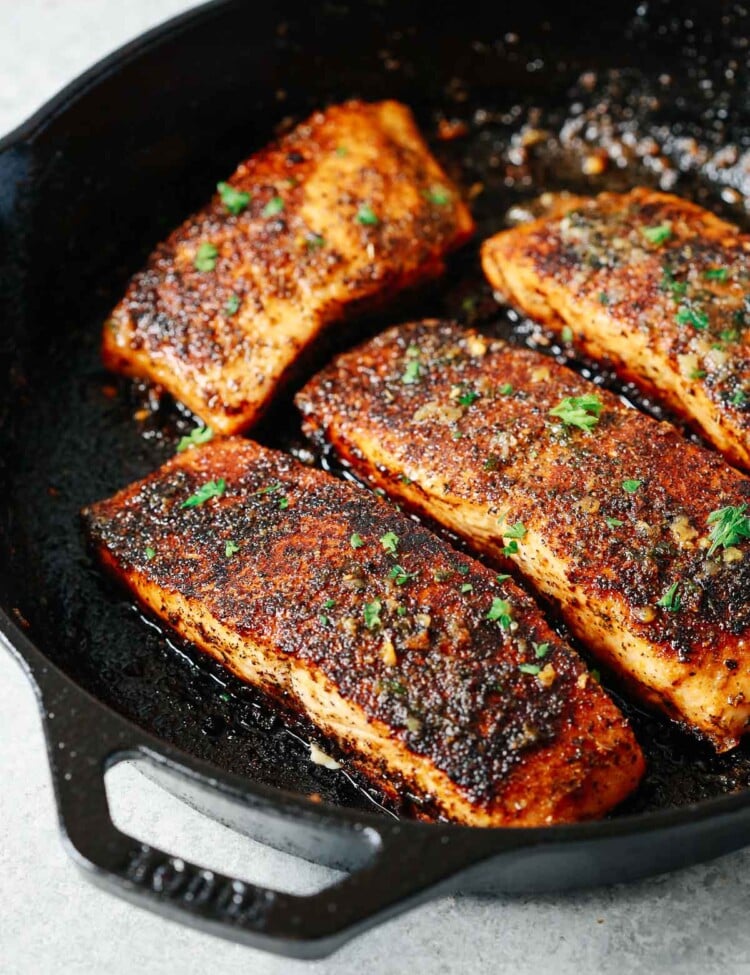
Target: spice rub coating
653, 283
640, 538
435, 676
344, 211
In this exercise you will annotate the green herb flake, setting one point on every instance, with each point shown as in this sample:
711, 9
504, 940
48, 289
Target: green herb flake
268, 489
232, 305
511, 548
324, 619
438, 195
401, 611
595, 674
541, 650
273, 208
442, 575
502, 576
233, 199
603, 298
341, 151
500, 612
716, 274
657, 235
283, 503
738, 398
389, 541
196, 437
150, 552
371, 613
631, 485
506, 389
688, 314
515, 531
314, 242
468, 398
356, 541
579, 411
206, 257
671, 599
211, 489
366, 216
412, 373
697, 374
463, 569
467, 587
729, 526
532, 669
400, 576
614, 523
231, 548
567, 334
329, 604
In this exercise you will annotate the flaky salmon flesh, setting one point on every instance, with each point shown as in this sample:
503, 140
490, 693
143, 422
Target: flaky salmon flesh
343, 212
640, 539
438, 678
652, 284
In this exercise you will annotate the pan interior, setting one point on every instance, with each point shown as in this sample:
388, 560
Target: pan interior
512, 111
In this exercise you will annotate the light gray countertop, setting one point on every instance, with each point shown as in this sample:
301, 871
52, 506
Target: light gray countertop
51, 920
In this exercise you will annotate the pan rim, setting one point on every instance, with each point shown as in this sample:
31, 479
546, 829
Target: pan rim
25, 650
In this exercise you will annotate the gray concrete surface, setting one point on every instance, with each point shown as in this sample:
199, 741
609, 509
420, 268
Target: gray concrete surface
51, 920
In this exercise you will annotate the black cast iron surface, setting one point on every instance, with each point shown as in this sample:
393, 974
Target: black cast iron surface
535, 97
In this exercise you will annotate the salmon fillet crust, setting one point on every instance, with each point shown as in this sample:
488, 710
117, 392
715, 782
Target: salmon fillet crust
436, 677
655, 285
639, 538
343, 212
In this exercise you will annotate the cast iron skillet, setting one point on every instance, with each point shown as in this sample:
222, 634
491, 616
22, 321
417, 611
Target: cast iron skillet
86, 188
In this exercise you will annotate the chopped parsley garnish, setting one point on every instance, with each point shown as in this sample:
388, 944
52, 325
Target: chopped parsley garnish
150, 552
657, 235
532, 669
329, 604
614, 522
400, 576
211, 489
669, 283
283, 503
230, 548
540, 650
515, 531
738, 398
273, 208
469, 397
401, 611
324, 619
232, 304
502, 576
688, 314
716, 274
389, 541
698, 374
467, 587
371, 613
579, 411
603, 298
342, 151
671, 599
567, 334
197, 436
438, 195
500, 612
442, 575
511, 548
233, 199
506, 389
631, 485
268, 489
356, 541
367, 216
412, 372
206, 257
729, 526
314, 241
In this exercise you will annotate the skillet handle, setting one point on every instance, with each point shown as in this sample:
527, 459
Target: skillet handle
401, 867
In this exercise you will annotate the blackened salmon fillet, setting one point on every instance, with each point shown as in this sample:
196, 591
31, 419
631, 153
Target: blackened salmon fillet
654, 285
436, 676
640, 539
343, 212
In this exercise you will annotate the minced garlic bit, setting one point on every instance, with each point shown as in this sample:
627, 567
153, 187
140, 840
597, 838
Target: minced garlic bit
682, 530
319, 757
476, 345
547, 675
388, 653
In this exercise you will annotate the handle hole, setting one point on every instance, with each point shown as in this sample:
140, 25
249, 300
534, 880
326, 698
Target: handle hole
144, 810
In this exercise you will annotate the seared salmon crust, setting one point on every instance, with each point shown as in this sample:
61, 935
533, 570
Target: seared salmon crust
343, 212
434, 675
638, 537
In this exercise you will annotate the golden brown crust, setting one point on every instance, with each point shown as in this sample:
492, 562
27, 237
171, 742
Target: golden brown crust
433, 697
347, 209
657, 285
472, 443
